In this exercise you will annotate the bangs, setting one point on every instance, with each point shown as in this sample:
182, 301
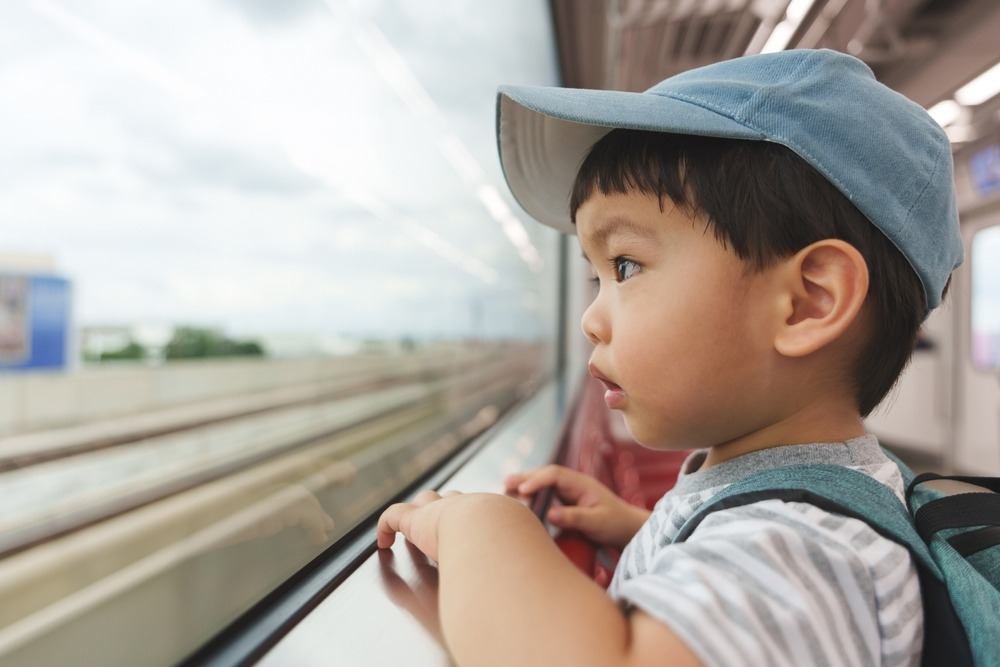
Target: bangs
631, 161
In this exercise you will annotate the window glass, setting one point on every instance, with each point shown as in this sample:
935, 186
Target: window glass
986, 300
259, 270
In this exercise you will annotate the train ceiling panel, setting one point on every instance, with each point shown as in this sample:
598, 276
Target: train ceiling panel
926, 49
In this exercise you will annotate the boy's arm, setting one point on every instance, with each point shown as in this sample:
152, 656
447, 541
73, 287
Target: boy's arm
508, 596
590, 507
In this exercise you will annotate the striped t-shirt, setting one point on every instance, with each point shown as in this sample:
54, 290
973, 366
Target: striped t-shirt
776, 583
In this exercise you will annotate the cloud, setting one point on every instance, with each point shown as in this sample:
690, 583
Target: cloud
233, 206
205, 164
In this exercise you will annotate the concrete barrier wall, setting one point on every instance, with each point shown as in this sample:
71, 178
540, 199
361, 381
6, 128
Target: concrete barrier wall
40, 400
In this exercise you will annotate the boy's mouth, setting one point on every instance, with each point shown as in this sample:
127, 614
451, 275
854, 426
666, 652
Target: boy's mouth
614, 394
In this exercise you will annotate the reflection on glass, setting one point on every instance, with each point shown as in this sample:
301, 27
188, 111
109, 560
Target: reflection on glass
258, 272
986, 300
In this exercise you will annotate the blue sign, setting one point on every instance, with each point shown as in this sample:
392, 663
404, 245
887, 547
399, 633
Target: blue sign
984, 165
34, 322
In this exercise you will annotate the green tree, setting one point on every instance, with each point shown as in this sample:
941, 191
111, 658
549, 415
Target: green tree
195, 342
131, 351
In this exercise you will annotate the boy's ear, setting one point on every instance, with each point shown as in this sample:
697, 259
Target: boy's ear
823, 287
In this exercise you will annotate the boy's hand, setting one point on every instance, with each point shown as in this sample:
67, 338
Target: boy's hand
590, 507
417, 521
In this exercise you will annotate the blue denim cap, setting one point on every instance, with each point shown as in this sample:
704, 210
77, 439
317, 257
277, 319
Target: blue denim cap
881, 150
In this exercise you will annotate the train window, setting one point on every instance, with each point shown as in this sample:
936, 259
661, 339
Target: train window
986, 300
258, 272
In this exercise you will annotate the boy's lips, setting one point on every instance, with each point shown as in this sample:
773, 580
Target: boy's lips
613, 395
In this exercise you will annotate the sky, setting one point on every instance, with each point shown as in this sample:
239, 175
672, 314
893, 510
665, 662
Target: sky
298, 166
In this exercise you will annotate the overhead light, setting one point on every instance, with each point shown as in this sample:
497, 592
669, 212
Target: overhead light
945, 112
980, 89
785, 30
959, 134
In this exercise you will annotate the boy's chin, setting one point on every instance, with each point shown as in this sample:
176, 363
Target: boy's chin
650, 440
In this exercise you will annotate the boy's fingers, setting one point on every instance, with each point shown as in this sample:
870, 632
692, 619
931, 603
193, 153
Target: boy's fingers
386, 540
569, 484
512, 481
534, 480
391, 520
425, 497
573, 517
388, 525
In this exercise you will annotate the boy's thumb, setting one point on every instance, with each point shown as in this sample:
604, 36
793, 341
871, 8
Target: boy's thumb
569, 517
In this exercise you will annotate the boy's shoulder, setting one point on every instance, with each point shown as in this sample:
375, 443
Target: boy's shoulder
769, 565
949, 535
696, 488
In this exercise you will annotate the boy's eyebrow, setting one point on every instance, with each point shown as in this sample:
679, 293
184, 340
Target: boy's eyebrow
616, 225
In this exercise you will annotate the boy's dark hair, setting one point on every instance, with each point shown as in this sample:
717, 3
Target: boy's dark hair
766, 203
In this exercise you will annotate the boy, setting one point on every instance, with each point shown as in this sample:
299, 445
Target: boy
767, 233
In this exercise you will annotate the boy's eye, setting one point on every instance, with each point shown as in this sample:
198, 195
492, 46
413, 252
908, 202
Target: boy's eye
625, 268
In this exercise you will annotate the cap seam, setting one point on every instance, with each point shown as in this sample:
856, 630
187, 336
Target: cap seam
775, 137
908, 217
770, 136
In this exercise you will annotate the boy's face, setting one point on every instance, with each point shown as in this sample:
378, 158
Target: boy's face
679, 325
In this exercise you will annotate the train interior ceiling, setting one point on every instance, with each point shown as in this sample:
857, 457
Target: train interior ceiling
229, 501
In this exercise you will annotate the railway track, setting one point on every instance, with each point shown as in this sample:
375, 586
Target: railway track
24, 450
249, 498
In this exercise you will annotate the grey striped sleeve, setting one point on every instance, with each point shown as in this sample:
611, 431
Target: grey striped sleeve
778, 583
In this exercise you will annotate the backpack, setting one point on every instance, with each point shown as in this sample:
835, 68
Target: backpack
954, 540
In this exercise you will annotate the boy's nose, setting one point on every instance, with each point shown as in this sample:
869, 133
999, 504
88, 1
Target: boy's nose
594, 323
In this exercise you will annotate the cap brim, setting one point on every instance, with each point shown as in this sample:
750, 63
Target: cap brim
544, 134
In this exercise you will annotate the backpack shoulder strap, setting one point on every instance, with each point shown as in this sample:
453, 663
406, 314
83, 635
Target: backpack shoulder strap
854, 494
831, 487
934, 512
